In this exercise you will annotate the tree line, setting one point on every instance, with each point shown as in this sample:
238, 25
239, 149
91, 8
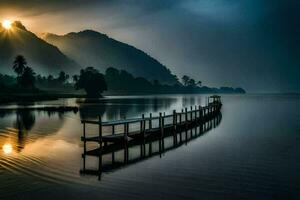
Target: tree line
95, 83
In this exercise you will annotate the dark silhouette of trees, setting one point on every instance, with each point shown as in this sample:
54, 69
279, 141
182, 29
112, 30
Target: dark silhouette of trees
156, 83
91, 81
94, 83
112, 78
25, 74
50, 78
27, 79
6, 80
57, 83
124, 81
185, 79
199, 83
191, 83
19, 65
62, 77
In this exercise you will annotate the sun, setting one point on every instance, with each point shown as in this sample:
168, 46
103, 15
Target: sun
6, 24
7, 148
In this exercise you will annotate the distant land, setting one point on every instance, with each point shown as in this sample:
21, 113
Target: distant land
53, 60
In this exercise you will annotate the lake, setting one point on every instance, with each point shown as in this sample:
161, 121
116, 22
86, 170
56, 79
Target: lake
252, 152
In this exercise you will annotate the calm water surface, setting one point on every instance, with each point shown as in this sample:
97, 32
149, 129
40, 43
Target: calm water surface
253, 153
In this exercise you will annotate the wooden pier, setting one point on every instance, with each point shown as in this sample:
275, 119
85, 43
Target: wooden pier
121, 134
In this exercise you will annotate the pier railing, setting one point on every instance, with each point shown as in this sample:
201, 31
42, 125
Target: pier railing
145, 126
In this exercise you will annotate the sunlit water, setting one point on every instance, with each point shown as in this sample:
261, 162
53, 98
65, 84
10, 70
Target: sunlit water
252, 153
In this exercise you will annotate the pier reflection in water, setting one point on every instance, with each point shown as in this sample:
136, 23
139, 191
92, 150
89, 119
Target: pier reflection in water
139, 150
23, 120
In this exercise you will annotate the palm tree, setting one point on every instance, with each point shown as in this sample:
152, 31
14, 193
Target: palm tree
19, 65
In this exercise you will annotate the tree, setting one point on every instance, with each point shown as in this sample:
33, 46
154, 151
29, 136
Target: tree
199, 83
112, 78
191, 83
156, 83
19, 65
27, 79
50, 78
26, 75
112, 72
91, 81
185, 80
62, 77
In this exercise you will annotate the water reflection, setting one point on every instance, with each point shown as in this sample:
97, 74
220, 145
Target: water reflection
23, 123
7, 149
120, 108
18, 123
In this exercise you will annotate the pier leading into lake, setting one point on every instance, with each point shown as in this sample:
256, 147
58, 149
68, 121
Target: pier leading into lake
120, 135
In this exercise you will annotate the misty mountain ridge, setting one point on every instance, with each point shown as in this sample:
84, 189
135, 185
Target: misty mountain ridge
52, 53
41, 56
91, 48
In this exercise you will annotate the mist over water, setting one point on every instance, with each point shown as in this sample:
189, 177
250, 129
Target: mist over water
252, 153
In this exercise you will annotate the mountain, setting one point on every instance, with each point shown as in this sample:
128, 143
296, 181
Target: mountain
91, 48
40, 55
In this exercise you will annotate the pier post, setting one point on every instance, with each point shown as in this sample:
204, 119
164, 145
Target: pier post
150, 122
100, 131
84, 146
174, 119
199, 113
141, 124
160, 122
100, 149
208, 111
174, 126
180, 118
191, 113
163, 129
126, 129
143, 128
161, 132
84, 136
113, 153
186, 115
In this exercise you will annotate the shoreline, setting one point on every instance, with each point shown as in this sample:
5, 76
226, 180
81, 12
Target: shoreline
35, 97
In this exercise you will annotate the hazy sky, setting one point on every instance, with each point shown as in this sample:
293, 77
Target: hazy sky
254, 44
